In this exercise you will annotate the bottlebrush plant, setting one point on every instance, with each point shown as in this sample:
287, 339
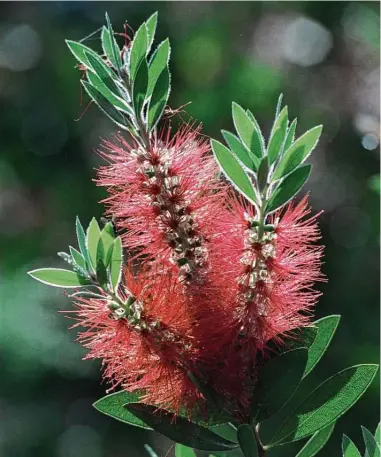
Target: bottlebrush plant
198, 293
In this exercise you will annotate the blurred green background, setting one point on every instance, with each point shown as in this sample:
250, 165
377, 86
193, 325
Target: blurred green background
324, 57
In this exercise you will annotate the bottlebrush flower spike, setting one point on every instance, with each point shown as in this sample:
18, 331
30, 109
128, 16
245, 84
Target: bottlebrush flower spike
165, 198
143, 338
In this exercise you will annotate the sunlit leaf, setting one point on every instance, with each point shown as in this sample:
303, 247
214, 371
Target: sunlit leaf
372, 449
92, 238
111, 48
157, 63
116, 263
81, 53
316, 443
349, 448
326, 403
277, 136
183, 451
247, 130
151, 24
58, 277
298, 152
138, 50
242, 153
78, 258
290, 136
233, 170
159, 98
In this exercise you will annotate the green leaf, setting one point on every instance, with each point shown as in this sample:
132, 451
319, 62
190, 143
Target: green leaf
58, 278
326, 403
244, 155
111, 48
81, 53
105, 242
233, 170
92, 239
116, 263
183, 451
78, 258
246, 440
263, 172
279, 105
290, 136
139, 87
81, 240
105, 105
150, 451
372, 448
326, 328
288, 188
138, 50
298, 152
278, 133
114, 99
102, 71
151, 29
316, 443
113, 405
377, 435
247, 130
277, 382
157, 64
159, 98
349, 448
101, 273
179, 429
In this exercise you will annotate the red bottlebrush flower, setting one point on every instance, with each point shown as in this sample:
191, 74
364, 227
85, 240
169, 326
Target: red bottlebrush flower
165, 198
267, 280
144, 340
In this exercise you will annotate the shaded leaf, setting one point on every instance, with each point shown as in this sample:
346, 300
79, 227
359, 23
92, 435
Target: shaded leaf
150, 451
81, 53
247, 130
277, 136
159, 98
233, 170
277, 382
316, 443
58, 277
377, 435
262, 174
371, 446
246, 440
326, 403
298, 152
288, 188
183, 451
349, 448
243, 154
81, 239
113, 405
139, 87
179, 429
290, 136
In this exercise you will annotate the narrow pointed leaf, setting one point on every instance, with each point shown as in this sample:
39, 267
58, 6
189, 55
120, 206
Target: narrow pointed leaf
349, 448
105, 105
326, 403
180, 429
247, 130
138, 50
113, 405
150, 451
258, 129
243, 154
279, 105
298, 152
81, 53
288, 188
183, 451
105, 242
377, 435
246, 440
92, 238
277, 136
316, 443
103, 72
58, 277
78, 258
157, 64
151, 24
159, 98
139, 87
371, 446
263, 172
277, 382
116, 263
114, 46
81, 236
290, 136
233, 170
111, 48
